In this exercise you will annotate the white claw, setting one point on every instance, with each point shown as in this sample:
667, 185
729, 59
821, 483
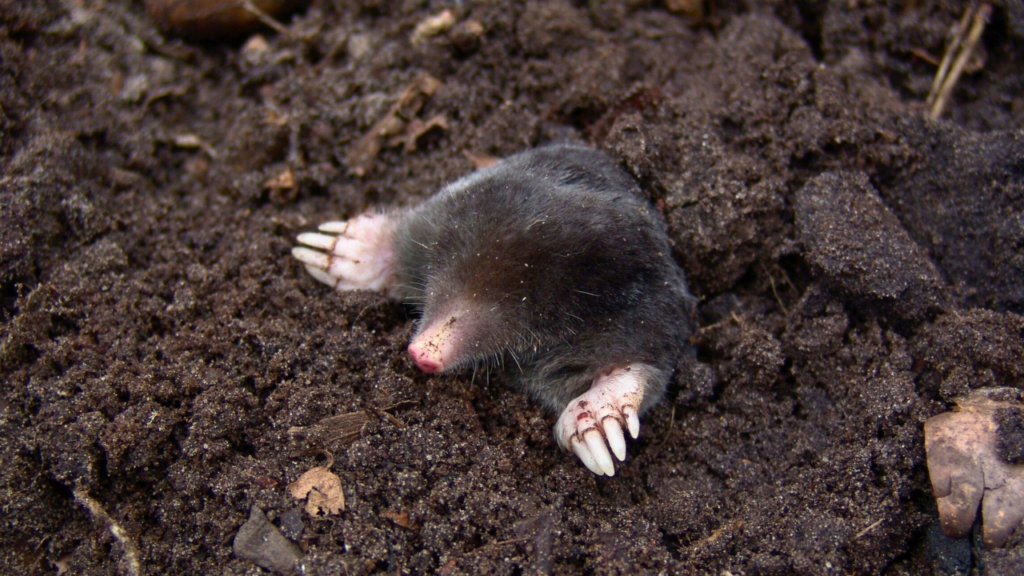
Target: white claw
581, 451
312, 257
632, 421
595, 442
337, 227
613, 432
322, 276
321, 241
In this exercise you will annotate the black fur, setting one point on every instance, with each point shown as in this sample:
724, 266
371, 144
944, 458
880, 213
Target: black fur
569, 271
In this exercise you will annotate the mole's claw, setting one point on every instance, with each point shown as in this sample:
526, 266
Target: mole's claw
581, 451
632, 421
613, 432
595, 442
319, 241
334, 227
321, 275
311, 257
966, 468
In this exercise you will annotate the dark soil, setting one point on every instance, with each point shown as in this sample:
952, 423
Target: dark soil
857, 267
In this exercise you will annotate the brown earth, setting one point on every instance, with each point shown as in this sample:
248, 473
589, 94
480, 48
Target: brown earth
858, 266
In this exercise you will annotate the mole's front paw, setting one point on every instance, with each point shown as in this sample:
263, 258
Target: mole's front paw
600, 414
353, 255
967, 467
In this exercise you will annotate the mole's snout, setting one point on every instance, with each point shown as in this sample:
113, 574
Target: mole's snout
424, 360
438, 344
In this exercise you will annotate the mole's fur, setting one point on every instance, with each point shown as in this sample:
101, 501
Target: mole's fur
566, 269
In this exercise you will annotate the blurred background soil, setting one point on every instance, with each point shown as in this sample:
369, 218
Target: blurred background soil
857, 265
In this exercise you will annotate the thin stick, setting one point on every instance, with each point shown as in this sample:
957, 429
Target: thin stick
133, 567
866, 530
977, 27
947, 58
266, 18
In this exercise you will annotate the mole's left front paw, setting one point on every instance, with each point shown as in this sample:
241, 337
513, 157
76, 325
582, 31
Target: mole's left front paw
968, 466
352, 255
600, 414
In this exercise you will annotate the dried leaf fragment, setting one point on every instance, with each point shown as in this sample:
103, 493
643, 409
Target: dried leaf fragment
432, 26
966, 469
400, 518
415, 130
343, 428
322, 490
282, 187
284, 180
363, 153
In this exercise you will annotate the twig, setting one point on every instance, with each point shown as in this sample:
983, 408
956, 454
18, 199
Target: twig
947, 58
959, 52
778, 300
131, 552
493, 544
266, 19
868, 529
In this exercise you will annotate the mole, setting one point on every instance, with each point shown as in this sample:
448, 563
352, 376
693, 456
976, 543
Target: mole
549, 262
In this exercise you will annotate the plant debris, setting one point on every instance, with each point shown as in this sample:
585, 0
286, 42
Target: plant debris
322, 490
432, 26
342, 429
400, 518
958, 55
966, 468
398, 126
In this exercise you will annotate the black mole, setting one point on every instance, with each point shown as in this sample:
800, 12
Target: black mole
549, 262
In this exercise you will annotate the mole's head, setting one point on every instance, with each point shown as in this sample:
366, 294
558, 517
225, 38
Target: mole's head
462, 331
478, 308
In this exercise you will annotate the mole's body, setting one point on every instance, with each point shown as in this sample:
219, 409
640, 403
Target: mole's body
550, 262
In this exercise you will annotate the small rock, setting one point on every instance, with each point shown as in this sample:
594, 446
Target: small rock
465, 37
258, 541
291, 523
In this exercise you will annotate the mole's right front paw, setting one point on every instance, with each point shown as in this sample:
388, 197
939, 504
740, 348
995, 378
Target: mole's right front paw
353, 255
966, 466
600, 414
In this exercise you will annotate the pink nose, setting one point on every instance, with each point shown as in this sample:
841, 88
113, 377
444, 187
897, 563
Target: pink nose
423, 360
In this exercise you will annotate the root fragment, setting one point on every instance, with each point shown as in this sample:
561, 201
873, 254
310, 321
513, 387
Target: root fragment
130, 564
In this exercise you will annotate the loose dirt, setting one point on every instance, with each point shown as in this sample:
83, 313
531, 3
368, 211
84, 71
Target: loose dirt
857, 267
